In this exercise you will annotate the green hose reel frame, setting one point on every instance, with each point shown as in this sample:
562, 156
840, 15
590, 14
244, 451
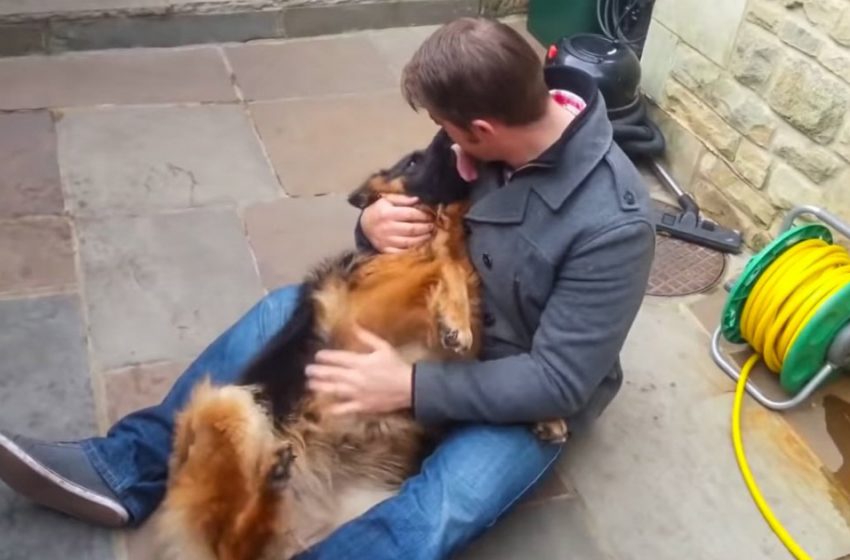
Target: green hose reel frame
805, 365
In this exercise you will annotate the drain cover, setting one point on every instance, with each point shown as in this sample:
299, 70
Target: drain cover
682, 268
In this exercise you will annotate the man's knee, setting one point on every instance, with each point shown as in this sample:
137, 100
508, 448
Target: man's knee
482, 471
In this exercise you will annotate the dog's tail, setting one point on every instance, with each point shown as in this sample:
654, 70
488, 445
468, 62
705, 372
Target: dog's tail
278, 370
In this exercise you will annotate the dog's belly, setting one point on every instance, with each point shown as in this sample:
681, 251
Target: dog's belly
314, 522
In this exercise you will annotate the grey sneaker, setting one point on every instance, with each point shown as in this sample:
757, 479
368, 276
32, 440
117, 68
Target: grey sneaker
59, 476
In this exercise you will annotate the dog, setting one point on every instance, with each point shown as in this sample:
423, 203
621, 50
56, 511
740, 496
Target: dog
260, 470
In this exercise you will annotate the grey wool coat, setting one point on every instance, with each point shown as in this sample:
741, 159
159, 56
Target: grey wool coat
563, 247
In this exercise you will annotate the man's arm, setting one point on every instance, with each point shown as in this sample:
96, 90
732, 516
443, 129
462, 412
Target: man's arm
594, 302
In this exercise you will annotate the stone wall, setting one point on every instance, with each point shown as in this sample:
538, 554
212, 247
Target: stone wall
752, 97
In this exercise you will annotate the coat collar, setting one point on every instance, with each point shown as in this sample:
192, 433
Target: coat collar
558, 171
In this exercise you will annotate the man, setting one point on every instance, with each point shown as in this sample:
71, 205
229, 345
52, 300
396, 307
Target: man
560, 235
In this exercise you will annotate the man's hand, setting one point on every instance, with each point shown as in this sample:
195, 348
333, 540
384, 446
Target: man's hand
392, 224
379, 381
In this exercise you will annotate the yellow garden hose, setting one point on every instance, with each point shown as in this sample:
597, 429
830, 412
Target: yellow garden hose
783, 300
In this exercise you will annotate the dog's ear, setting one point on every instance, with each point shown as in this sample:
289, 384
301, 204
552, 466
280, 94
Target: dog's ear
365, 194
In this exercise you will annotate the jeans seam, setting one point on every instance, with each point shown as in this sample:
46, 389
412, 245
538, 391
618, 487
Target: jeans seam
527, 487
101, 466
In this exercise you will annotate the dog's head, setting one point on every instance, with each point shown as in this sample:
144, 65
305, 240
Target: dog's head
429, 174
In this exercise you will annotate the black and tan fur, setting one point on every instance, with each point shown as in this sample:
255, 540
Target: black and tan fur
260, 470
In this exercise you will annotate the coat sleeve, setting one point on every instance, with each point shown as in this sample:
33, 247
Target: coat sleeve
583, 327
360, 239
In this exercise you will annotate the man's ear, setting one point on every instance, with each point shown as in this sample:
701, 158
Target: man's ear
480, 129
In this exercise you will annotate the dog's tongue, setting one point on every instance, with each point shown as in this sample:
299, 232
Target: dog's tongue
466, 167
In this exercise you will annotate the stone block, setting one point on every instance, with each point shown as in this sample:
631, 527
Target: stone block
837, 195
841, 146
841, 29
733, 187
755, 57
710, 25
683, 148
817, 163
801, 37
694, 71
114, 77
277, 231
17, 39
809, 98
28, 166
498, 8
138, 387
162, 158
752, 163
823, 13
716, 206
700, 118
657, 60
742, 109
737, 105
837, 59
45, 8
787, 187
169, 283
766, 13
327, 66
36, 255
308, 20
164, 31
369, 132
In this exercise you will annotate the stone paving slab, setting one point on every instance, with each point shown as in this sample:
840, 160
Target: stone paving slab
28, 166
662, 455
45, 392
44, 368
398, 45
138, 387
163, 287
161, 158
330, 145
315, 67
115, 77
36, 254
291, 236
555, 530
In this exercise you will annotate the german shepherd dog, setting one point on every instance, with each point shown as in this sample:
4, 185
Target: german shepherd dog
261, 470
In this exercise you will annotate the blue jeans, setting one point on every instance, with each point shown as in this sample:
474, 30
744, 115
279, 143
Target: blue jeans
473, 477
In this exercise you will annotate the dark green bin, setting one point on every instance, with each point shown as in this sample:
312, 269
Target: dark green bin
549, 20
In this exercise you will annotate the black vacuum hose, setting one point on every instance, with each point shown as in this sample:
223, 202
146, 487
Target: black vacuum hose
636, 135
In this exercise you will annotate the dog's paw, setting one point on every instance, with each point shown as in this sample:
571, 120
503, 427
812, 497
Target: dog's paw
454, 339
552, 431
281, 469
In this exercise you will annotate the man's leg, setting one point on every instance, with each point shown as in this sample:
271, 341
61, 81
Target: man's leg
129, 465
470, 481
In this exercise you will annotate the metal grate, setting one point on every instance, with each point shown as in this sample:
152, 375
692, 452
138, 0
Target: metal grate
682, 268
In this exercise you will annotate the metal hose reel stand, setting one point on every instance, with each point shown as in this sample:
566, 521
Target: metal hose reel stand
822, 349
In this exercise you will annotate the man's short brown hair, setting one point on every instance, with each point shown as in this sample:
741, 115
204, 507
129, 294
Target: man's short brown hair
476, 68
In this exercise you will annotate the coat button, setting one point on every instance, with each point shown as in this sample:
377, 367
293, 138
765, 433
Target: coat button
488, 320
629, 197
488, 262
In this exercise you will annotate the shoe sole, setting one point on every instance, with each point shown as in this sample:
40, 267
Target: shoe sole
28, 477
